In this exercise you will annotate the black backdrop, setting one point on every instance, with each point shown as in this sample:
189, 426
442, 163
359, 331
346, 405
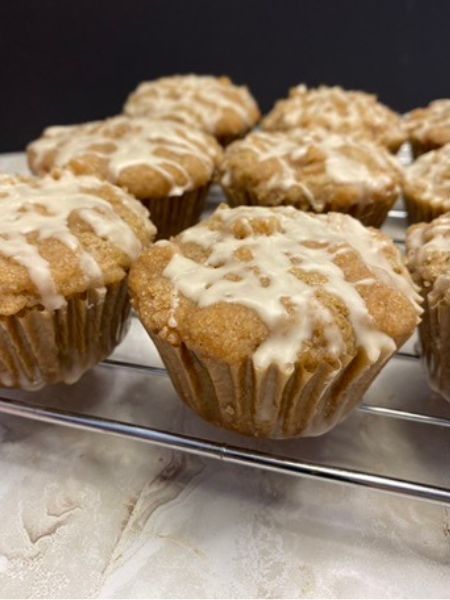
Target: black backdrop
63, 62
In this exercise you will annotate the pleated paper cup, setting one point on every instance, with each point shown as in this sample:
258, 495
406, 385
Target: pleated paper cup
40, 346
424, 211
267, 403
434, 333
370, 214
175, 213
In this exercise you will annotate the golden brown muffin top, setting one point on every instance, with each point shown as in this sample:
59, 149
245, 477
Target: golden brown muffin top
315, 168
428, 178
429, 126
63, 235
428, 253
339, 111
277, 285
213, 104
151, 159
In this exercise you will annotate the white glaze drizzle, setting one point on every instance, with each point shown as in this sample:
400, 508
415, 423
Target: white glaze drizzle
428, 253
334, 109
371, 168
42, 207
196, 100
209, 283
429, 176
430, 237
421, 121
424, 242
125, 142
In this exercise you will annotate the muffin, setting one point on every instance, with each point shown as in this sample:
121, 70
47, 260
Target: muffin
428, 252
429, 128
213, 104
313, 171
272, 321
338, 111
66, 246
167, 166
427, 186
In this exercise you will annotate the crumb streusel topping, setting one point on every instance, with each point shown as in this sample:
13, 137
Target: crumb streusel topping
339, 111
61, 236
149, 158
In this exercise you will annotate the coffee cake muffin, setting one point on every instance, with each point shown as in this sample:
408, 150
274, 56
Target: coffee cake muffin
427, 186
429, 128
428, 252
167, 166
314, 171
213, 104
66, 245
338, 111
272, 321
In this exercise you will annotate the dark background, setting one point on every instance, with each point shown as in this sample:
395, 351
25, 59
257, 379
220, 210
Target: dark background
64, 62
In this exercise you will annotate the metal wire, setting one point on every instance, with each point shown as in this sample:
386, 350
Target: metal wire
379, 411
242, 456
397, 213
231, 454
211, 449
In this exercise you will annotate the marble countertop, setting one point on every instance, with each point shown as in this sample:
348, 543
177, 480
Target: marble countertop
91, 516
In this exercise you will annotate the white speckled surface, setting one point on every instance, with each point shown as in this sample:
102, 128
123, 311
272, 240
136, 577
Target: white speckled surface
91, 516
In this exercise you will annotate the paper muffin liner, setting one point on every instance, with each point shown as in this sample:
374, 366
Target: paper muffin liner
39, 347
434, 333
270, 403
421, 211
371, 214
227, 139
419, 148
175, 213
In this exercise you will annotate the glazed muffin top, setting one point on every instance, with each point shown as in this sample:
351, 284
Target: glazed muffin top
151, 159
278, 285
311, 169
339, 111
428, 253
213, 104
428, 178
429, 127
63, 235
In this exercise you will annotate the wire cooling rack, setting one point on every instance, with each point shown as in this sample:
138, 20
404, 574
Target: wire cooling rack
397, 441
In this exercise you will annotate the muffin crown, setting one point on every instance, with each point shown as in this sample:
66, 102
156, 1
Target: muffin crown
214, 104
283, 282
309, 163
337, 110
428, 178
150, 158
62, 236
430, 126
428, 253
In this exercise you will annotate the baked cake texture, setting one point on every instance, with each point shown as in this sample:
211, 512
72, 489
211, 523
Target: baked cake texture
428, 252
167, 166
214, 104
66, 245
314, 171
338, 111
427, 186
428, 128
272, 321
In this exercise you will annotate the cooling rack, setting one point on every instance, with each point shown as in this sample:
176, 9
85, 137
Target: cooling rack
397, 441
